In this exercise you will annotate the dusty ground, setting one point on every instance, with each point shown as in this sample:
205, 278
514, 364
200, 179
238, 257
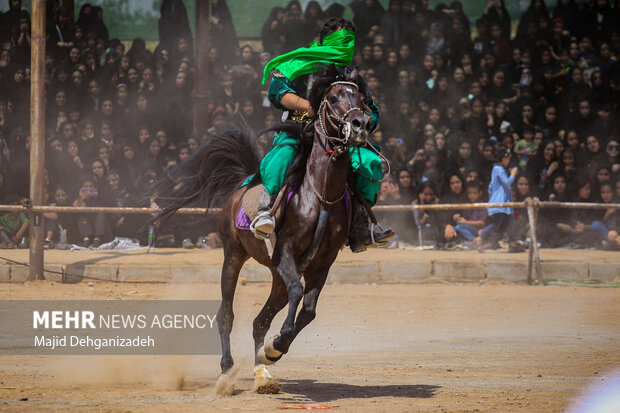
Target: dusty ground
377, 348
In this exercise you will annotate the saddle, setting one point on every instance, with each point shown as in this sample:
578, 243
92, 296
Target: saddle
249, 206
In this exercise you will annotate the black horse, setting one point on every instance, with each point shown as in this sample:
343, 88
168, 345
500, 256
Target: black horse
319, 174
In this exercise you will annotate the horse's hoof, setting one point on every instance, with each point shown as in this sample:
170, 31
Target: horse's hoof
262, 358
263, 382
270, 351
225, 385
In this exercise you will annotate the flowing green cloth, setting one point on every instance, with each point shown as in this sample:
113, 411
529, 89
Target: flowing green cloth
337, 47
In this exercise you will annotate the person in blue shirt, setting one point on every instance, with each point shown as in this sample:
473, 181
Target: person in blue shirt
500, 191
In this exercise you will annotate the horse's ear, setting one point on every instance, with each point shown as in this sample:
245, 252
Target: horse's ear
354, 74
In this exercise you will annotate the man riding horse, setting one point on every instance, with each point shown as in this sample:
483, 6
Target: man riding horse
292, 76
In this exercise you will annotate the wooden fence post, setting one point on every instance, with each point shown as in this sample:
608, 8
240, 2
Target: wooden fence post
37, 136
534, 255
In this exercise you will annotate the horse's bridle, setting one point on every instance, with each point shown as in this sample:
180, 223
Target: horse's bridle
339, 123
339, 144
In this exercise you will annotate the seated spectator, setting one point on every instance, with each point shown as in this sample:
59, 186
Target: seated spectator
576, 232
90, 225
541, 167
389, 194
427, 221
471, 221
61, 228
14, 226
405, 186
607, 224
521, 225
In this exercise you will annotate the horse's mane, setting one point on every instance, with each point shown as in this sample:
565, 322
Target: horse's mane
304, 134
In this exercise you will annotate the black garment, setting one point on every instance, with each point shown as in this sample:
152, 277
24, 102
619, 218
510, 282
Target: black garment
85, 21
393, 28
99, 28
173, 23
531, 15
597, 22
271, 33
365, 17
583, 126
10, 22
501, 18
223, 33
570, 14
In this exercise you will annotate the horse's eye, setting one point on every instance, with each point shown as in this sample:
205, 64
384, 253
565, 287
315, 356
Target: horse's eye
333, 99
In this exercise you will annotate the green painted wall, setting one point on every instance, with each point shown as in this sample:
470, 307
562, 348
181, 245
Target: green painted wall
127, 19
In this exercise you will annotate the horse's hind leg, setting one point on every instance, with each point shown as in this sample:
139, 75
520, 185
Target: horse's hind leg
277, 301
233, 262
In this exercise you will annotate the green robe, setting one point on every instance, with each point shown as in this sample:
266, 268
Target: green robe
273, 168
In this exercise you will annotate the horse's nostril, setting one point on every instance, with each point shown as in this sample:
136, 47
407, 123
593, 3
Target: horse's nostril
356, 123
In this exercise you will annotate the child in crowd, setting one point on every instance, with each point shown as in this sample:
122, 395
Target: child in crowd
14, 226
500, 219
526, 147
471, 221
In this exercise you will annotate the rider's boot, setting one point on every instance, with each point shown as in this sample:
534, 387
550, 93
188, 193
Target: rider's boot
264, 224
361, 235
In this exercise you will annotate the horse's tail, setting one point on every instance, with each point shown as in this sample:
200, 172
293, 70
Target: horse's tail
209, 175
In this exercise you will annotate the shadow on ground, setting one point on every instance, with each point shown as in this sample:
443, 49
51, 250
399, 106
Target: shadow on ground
328, 392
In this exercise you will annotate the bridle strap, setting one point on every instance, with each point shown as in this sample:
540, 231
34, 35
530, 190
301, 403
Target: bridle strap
326, 111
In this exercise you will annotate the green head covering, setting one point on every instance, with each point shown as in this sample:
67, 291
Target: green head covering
337, 47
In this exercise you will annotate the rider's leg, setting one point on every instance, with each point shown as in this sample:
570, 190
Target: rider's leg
368, 165
273, 170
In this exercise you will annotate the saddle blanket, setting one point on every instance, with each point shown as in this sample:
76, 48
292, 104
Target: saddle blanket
244, 221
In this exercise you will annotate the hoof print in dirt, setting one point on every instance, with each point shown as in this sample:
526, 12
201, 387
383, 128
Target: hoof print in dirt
271, 387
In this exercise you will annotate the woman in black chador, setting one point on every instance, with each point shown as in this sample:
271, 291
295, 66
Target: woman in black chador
173, 23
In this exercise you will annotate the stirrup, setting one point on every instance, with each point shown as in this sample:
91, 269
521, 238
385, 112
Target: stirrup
267, 225
372, 236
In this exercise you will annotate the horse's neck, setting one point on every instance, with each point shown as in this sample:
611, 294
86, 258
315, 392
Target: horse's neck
320, 164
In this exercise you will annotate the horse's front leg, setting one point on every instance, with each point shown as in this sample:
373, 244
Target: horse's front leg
315, 281
277, 301
314, 284
288, 272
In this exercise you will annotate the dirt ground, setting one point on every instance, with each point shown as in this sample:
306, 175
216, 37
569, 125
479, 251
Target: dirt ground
377, 348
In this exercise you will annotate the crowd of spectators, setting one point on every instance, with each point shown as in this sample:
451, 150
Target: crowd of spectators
449, 92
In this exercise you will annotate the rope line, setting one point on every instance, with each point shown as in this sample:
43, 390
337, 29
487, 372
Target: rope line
64, 274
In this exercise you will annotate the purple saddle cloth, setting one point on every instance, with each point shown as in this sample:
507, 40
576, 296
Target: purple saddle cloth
243, 221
